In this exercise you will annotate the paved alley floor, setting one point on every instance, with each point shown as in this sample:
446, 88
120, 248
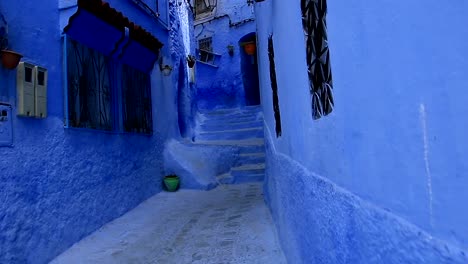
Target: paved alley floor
230, 224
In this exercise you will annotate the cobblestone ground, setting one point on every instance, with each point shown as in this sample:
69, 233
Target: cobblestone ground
229, 224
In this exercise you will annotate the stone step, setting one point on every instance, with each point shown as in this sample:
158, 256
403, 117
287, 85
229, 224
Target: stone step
236, 134
214, 126
225, 179
247, 109
250, 158
250, 178
231, 114
231, 119
247, 170
244, 146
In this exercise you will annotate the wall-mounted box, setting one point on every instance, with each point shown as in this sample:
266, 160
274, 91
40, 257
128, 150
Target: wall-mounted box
41, 92
6, 126
25, 80
31, 88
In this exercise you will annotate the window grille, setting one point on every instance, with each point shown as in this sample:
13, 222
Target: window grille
136, 95
318, 56
206, 44
104, 94
274, 86
205, 49
89, 92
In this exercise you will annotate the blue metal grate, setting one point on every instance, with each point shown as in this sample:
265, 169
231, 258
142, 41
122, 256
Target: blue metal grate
136, 97
104, 94
89, 88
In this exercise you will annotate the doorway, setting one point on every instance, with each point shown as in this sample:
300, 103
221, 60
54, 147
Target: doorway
249, 68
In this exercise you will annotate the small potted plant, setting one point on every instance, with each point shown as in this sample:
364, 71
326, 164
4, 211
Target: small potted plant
191, 61
171, 182
10, 59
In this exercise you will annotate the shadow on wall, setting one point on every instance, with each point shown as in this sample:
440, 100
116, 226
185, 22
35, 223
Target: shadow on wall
181, 102
249, 68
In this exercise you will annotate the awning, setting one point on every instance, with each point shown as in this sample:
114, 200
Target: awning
99, 26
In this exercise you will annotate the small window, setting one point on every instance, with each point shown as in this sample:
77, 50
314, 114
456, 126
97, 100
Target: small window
205, 48
94, 92
206, 44
204, 7
318, 56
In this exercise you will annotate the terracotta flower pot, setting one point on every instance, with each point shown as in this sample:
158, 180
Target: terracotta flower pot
10, 59
250, 48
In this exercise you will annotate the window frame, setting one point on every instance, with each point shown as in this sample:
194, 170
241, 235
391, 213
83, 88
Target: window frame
206, 14
116, 89
207, 56
319, 71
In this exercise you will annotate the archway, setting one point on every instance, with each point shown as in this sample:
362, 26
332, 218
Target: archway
249, 68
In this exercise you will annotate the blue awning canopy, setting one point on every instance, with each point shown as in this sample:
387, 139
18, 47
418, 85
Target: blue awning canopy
108, 31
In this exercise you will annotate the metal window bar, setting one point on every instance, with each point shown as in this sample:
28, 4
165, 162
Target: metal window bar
206, 44
136, 101
89, 91
318, 56
205, 50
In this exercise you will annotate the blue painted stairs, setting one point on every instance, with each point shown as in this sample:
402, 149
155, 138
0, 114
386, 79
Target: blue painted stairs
241, 128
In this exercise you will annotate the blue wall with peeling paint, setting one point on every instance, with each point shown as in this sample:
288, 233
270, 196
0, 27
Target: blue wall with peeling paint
222, 86
383, 178
58, 185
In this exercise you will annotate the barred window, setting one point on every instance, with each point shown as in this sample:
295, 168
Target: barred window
205, 49
103, 94
314, 14
206, 44
89, 89
136, 95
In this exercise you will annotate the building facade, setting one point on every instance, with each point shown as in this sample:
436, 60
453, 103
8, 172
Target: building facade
226, 75
94, 150
365, 135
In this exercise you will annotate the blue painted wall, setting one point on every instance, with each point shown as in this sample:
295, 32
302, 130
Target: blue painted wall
383, 178
58, 185
222, 86
182, 43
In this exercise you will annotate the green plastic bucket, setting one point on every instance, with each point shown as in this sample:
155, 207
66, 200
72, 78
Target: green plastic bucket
171, 183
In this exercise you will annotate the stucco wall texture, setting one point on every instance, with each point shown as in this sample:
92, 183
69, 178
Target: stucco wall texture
383, 178
58, 185
222, 86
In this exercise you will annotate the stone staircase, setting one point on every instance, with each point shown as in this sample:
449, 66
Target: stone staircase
240, 129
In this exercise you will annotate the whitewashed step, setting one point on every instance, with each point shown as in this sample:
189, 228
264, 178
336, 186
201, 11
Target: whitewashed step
233, 134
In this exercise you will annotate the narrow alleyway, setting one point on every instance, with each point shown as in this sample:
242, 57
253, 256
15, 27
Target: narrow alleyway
229, 224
